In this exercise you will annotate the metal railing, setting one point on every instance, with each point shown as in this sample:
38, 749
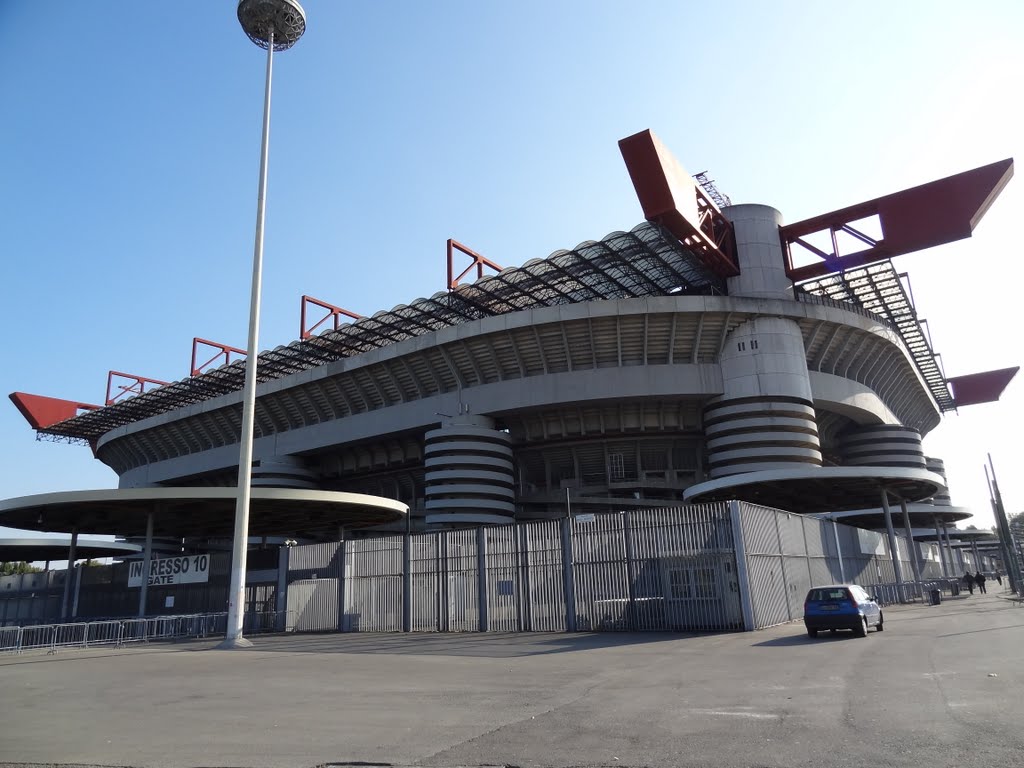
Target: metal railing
891, 593
121, 632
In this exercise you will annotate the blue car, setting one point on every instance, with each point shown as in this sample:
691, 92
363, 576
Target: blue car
841, 606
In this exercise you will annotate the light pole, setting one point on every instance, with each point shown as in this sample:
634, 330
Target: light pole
275, 25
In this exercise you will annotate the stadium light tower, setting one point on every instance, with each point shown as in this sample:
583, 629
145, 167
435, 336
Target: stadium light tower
275, 25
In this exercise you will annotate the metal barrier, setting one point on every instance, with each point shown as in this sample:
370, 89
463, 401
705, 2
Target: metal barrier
120, 632
891, 593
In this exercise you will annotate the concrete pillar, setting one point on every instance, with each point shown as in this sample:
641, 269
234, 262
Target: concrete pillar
938, 540
894, 553
78, 588
72, 551
147, 556
911, 544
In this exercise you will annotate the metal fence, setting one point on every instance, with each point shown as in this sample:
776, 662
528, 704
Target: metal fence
650, 569
786, 554
121, 632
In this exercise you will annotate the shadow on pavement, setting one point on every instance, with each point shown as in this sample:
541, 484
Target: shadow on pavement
483, 645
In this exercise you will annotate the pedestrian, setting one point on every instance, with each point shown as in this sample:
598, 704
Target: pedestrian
999, 578
979, 577
969, 582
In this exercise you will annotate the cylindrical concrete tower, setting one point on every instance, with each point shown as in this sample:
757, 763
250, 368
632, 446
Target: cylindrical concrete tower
469, 473
882, 445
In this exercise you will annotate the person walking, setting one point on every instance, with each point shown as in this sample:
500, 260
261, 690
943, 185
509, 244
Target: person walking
979, 577
969, 582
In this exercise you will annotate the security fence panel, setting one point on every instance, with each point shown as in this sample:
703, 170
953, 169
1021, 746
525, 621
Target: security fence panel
373, 584
461, 588
683, 574
312, 605
505, 601
313, 576
818, 537
768, 591
600, 572
543, 562
424, 593
791, 533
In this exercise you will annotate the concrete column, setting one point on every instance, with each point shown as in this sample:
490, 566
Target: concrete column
974, 548
281, 601
938, 540
147, 556
914, 564
78, 589
949, 553
894, 553
67, 579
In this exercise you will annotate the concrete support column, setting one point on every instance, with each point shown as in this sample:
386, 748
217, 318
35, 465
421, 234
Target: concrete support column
894, 553
977, 557
78, 589
949, 553
281, 601
938, 540
914, 562
72, 551
147, 556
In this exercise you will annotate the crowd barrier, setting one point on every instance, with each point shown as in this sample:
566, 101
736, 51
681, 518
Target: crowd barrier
121, 632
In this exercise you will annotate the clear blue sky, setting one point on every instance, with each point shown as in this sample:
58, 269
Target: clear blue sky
130, 135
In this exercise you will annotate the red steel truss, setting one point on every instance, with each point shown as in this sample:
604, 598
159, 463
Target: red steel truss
136, 385
478, 261
223, 350
670, 197
41, 412
911, 220
333, 312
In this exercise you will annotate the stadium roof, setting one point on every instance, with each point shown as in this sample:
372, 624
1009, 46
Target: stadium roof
647, 261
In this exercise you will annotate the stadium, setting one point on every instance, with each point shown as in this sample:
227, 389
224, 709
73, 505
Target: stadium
576, 442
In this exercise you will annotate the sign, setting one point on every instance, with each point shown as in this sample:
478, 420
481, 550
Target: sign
587, 517
194, 569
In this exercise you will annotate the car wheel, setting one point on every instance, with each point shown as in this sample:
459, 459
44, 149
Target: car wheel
812, 633
862, 630
881, 623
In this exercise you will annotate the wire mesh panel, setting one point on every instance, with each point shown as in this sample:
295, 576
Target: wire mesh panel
373, 584
424, 569
543, 560
461, 587
504, 580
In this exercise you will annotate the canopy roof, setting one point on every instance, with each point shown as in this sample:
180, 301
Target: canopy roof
819, 489
186, 512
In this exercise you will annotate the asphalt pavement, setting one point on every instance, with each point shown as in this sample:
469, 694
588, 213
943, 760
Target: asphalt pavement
940, 686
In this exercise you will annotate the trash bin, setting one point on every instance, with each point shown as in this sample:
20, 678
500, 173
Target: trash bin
954, 588
936, 597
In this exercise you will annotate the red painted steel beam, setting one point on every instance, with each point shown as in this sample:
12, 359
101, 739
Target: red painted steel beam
479, 262
223, 350
983, 387
136, 387
332, 312
42, 412
922, 217
670, 197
